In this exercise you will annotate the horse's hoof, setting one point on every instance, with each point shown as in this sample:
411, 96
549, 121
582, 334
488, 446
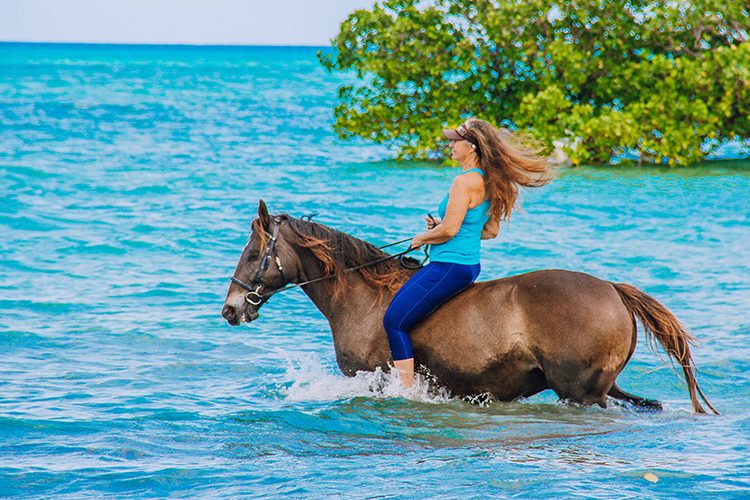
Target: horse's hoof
649, 404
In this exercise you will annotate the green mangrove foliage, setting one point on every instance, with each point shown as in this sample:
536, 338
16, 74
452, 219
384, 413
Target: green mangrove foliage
668, 80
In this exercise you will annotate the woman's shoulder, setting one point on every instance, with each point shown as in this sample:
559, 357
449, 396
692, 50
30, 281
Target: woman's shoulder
469, 181
469, 178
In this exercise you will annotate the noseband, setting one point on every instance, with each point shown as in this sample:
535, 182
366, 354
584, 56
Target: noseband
256, 298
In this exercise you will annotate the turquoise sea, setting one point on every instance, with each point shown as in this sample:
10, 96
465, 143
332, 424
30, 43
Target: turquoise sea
129, 176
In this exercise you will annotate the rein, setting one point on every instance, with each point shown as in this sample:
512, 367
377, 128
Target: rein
256, 298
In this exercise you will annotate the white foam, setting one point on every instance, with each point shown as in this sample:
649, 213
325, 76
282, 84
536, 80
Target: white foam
311, 380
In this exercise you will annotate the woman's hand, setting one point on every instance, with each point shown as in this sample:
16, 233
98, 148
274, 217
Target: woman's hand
432, 222
417, 241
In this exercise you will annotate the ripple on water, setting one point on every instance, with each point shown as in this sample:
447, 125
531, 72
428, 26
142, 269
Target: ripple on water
132, 175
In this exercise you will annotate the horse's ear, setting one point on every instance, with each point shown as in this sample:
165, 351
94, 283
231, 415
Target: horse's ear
265, 217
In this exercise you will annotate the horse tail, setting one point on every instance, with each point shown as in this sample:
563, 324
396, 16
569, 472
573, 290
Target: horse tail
662, 326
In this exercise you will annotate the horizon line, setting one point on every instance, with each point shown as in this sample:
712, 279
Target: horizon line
161, 44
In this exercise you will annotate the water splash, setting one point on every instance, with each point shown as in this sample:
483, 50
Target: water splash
312, 380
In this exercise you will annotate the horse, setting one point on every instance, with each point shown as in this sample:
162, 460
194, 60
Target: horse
510, 338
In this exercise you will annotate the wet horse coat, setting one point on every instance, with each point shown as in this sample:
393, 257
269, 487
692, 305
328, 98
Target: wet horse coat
512, 337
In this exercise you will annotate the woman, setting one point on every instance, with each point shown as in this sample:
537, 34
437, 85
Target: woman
493, 166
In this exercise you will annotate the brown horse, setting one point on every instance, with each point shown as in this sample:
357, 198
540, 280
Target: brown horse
511, 337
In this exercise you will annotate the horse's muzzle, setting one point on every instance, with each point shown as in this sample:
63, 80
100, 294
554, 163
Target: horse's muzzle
234, 317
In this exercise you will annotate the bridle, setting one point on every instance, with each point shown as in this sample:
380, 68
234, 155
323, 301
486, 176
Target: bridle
253, 295
256, 298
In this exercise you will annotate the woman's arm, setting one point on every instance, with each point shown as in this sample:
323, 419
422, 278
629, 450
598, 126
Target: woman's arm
459, 198
491, 228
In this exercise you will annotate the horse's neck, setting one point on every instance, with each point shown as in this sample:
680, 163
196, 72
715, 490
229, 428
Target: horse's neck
356, 317
355, 300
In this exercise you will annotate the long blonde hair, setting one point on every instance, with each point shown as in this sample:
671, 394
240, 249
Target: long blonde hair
509, 160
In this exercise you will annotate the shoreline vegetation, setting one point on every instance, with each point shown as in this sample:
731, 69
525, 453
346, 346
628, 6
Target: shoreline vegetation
660, 83
739, 166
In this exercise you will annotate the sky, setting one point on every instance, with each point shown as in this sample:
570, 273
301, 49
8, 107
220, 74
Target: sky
224, 22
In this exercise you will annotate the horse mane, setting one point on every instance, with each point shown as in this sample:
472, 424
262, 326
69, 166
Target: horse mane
338, 251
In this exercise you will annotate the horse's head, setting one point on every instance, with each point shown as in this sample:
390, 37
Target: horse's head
267, 263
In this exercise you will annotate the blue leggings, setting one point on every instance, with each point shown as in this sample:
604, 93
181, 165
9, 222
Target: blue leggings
421, 295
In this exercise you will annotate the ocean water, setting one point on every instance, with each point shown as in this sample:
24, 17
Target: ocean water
129, 177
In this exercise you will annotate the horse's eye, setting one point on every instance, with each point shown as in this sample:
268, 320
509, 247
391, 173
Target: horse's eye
252, 255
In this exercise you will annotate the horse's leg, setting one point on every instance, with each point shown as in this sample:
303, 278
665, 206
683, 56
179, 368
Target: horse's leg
578, 383
618, 393
579, 331
515, 380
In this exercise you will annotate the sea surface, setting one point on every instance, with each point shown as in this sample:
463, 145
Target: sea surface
129, 176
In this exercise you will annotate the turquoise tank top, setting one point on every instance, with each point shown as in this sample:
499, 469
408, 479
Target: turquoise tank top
464, 247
